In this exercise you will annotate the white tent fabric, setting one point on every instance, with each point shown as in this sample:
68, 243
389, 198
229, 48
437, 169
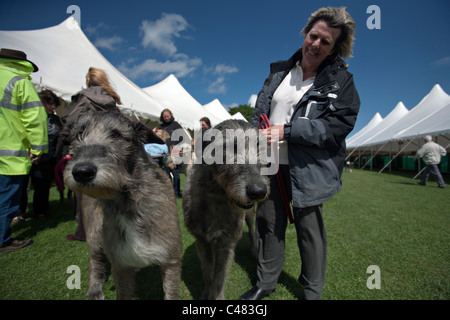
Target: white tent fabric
64, 54
435, 100
218, 109
436, 124
352, 141
238, 116
429, 117
391, 120
186, 110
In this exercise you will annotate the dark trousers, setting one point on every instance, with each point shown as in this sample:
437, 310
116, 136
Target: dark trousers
434, 170
42, 175
271, 223
176, 179
10, 194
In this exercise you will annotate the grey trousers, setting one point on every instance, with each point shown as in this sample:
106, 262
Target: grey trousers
271, 223
434, 170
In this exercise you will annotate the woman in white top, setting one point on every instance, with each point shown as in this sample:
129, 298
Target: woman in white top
312, 103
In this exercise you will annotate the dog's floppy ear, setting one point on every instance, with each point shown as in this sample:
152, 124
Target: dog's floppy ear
145, 134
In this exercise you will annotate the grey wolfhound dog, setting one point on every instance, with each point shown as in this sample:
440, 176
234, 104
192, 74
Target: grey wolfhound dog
216, 198
128, 204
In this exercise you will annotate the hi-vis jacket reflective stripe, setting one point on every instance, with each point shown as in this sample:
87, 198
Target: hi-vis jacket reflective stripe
23, 120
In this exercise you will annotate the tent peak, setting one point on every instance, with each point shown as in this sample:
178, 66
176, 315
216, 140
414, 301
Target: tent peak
70, 23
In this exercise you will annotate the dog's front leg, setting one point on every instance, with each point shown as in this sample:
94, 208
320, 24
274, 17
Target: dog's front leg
124, 281
93, 221
171, 279
206, 256
224, 256
96, 269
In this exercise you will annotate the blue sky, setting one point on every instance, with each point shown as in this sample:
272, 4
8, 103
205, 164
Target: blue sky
222, 49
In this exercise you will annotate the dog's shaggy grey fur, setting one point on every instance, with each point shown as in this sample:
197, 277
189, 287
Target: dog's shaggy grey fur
216, 199
128, 204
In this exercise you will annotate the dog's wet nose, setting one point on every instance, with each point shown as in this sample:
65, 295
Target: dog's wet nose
84, 173
256, 192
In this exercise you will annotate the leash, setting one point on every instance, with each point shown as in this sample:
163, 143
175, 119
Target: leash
169, 154
264, 123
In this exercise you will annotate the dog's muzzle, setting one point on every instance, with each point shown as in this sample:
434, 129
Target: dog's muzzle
245, 206
254, 193
84, 173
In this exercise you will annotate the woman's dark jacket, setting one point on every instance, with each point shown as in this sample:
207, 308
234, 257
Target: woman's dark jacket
316, 134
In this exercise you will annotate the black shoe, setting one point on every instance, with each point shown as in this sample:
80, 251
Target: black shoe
14, 245
256, 293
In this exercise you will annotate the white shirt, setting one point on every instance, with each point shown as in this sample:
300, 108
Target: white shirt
288, 94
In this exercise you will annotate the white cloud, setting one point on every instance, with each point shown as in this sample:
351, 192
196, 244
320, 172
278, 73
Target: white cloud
233, 105
218, 86
109, 43
224, 69
160, 34
159, 70
445, 61
91, 30
252, 100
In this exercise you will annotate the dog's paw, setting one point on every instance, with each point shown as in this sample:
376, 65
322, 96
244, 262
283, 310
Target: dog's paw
96, 295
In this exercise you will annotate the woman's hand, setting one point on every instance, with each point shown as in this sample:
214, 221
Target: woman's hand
274, 134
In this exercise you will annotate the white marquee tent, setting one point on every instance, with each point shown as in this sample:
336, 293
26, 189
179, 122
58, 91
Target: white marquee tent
352, 141
401, 132
186, 110
238, 116
391, 119
218, 109
435, 125
431, 116
64, 54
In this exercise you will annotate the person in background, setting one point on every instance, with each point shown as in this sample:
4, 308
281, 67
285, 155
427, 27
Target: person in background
159, 152
431, 154
43, 171
312, 105
169, 124
23, 137
198, 143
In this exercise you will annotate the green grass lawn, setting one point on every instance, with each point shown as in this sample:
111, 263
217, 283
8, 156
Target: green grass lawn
382, 220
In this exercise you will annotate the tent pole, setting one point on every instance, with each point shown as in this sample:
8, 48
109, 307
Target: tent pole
350, 154
394, 157
371, 158
417, 174
359, 156
390, 155
374, 156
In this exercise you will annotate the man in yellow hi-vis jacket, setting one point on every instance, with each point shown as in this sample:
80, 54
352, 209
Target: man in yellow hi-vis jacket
23, 137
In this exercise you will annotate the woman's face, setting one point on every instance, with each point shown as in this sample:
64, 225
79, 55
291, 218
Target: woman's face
319, 43
49, 107
204, 125
167, 117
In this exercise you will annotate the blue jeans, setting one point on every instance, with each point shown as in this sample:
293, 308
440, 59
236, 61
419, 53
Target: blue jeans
10, 195
176, 179
434, 170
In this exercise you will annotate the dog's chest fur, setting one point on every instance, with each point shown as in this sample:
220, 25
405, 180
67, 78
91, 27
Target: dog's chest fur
217, 220
128, 242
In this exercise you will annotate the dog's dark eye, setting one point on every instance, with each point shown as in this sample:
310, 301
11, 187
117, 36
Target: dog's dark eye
80, 135
115, 135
